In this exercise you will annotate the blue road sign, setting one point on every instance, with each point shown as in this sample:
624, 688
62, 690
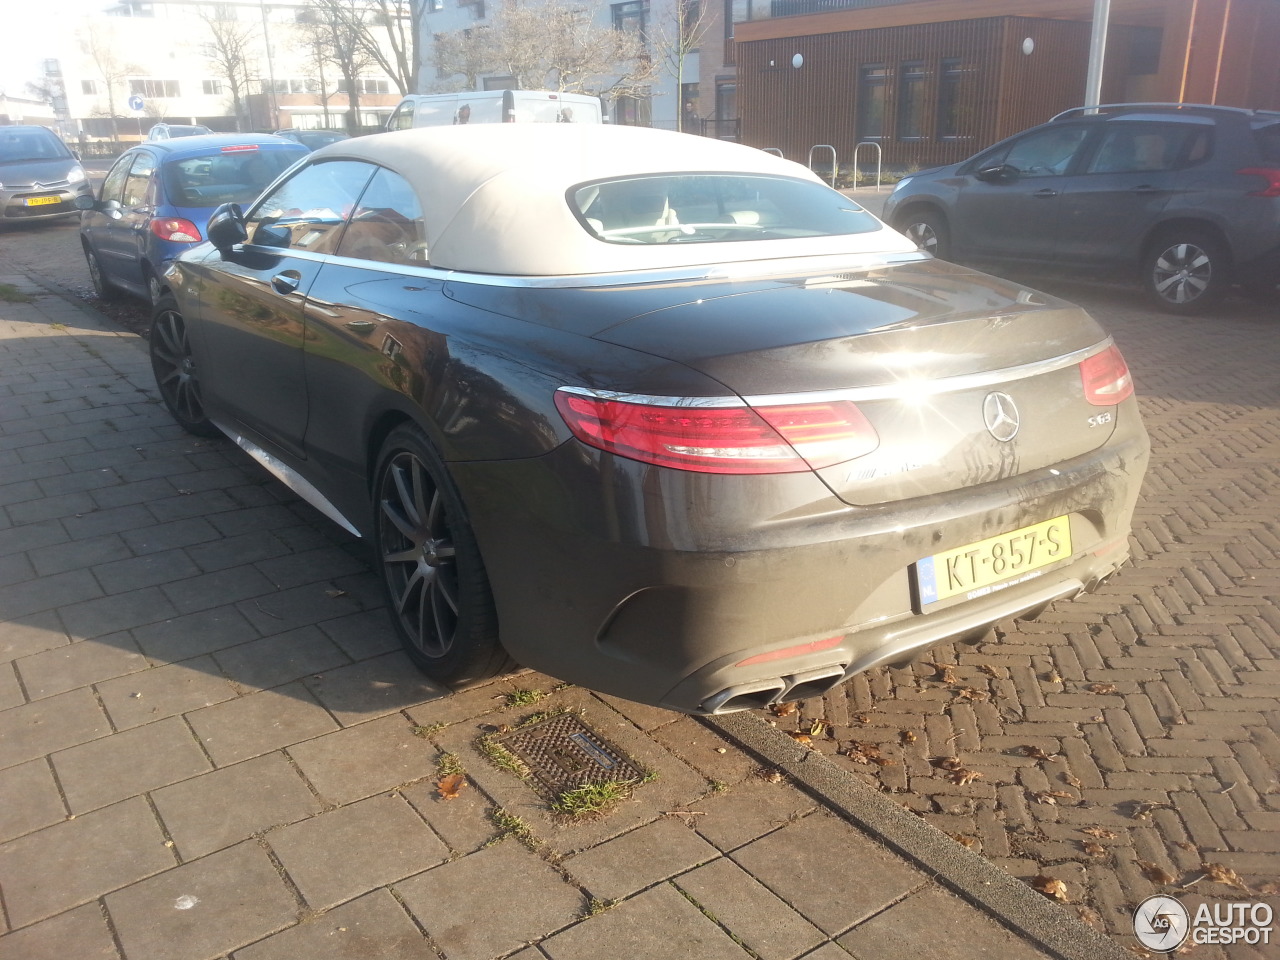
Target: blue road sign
135, 102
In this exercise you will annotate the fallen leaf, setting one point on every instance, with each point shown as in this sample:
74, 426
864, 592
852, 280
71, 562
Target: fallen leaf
969, 693
947, 763
1053, 677
964, 840
1142, 810
1154, 872
1063, 795
769, 775
817, 728
335, 593
1269, 889
908, 736
860, 752
1044, 796
1051, 887
1221, 873
1089, 915
1031, 750
963, 777
1184, 845
1093, 848
861, 718
1073, 781
883, 761
799, 737
1100, 833
1101, 688
784, 709
990, 671
450, 786
944, 672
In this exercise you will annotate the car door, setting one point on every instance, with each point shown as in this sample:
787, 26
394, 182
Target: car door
1013, 214
95, 224
1128, 177
252, 332
121, 239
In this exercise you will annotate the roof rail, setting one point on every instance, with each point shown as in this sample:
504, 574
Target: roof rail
1124, 107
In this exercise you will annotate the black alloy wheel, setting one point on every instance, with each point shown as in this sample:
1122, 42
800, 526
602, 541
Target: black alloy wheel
432, 573
102, 287
928, 230
175, 369
1187, 273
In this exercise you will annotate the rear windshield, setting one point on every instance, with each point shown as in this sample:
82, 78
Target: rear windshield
1269, 142
701, 207
19, 145
233, 177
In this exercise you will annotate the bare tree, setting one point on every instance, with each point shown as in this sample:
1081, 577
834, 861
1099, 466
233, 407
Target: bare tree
462, 53
553, 46
314, 37
675, 38
100, 46
230, 50
392, 38
342, 28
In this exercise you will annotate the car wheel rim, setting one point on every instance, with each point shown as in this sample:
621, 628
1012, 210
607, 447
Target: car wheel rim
924, 237
95, 274
153, 287
1182, 273
174, 366
419, 560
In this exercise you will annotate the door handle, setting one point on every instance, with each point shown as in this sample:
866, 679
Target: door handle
360, 326
287, 282
1045, 194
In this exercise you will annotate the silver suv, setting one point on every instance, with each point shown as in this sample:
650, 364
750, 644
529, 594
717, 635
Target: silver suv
1184, 196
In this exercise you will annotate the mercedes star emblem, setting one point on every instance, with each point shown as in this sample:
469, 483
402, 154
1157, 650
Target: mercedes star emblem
1000, 414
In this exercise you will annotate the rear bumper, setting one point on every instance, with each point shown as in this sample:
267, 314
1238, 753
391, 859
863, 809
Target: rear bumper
655, 584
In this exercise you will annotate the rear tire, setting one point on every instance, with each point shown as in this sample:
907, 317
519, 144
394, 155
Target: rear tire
432, 574
175, 369
929, 230
1187, 272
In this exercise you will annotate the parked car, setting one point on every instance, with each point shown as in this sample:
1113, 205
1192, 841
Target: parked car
494, 106
157, 197
40, 177
312, 139
1185, 197
660, 415
170, 131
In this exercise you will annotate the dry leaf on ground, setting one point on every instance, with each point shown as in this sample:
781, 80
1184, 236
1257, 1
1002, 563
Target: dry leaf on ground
1093, 848
964, 840
450, 786
1100, 833
963, 777
1031, 750
784, 709
1154, 872
908, 736
946, 672
1101, 688
969, 693
1073, 781
799, 737
1221, 873
990, 671
1051, 887
947, 763
1142, 810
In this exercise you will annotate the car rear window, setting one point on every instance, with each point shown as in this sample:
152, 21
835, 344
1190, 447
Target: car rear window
1269, 142
701, 207
19, 145
224, 177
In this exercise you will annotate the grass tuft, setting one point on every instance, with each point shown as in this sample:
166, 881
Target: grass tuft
11, 294
524, 698
592, 799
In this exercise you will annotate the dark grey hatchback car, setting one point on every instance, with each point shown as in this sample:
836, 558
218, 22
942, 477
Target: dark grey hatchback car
1186, 197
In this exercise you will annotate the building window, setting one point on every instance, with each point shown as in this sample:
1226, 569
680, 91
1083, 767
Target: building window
873, 98
211, 87
632, 17
726, 111
89, 87
435, 6
364, 85
154, 88
953, 114
633, 111
911, 101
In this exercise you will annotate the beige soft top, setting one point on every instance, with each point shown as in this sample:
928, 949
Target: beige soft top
494, 195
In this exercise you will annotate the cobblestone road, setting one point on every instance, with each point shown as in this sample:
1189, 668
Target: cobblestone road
1149, 712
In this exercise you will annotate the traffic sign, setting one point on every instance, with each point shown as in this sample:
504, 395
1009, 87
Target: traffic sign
135, 103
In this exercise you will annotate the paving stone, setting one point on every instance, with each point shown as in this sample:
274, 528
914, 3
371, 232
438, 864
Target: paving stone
372, 688
15, 568
534, 900
218, 809
179, 638
272, 661
287, 609
659, 924
836, 878
311, 566
205, 908
31, 799
95, 618
147, 571
259, 723
41, 631
638, 859
62, 866
81, 934
763, 923
697, 746
20, 599
750, 810
54, 723
49, 508
31, 536
128, 764
164, 691
79, 554
375, 926
10, 691
365, 759
363, 635
223, 587
231, 551
935, 925
349, 851
151, 537
463, 822
79, 664
123, 520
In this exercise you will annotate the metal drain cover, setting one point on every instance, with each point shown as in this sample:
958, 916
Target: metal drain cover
563, 752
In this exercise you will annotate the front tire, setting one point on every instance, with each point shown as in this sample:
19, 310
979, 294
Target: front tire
434, 579
929, 231
175, 369
102, 287
1187, 272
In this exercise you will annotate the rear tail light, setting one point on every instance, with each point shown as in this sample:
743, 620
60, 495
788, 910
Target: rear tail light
176, 230
1272, 189
239, 148
777, 438
1106, 378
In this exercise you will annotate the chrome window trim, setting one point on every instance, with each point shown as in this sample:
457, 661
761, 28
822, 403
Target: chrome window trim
888, 391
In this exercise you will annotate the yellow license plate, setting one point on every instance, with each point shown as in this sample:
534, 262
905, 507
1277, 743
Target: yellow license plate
993, 564
41, 201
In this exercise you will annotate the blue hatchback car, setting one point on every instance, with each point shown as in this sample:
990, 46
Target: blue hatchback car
158, 196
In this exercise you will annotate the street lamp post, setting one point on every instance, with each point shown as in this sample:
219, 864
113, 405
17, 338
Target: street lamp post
1097, 53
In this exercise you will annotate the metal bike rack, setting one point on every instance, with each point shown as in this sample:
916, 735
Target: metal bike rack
879, 161
834, 160
774, 150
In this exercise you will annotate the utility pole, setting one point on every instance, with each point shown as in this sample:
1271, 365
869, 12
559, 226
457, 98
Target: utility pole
1097, 53
271, 73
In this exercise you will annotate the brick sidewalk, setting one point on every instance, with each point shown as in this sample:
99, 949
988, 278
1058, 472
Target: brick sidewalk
210, 746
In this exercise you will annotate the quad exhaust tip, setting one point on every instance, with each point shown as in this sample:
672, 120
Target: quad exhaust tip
761, 693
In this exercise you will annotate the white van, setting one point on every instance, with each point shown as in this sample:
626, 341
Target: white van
495, 106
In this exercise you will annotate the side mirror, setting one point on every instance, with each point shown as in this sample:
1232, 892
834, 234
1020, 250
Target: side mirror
1001, 173
226, 227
